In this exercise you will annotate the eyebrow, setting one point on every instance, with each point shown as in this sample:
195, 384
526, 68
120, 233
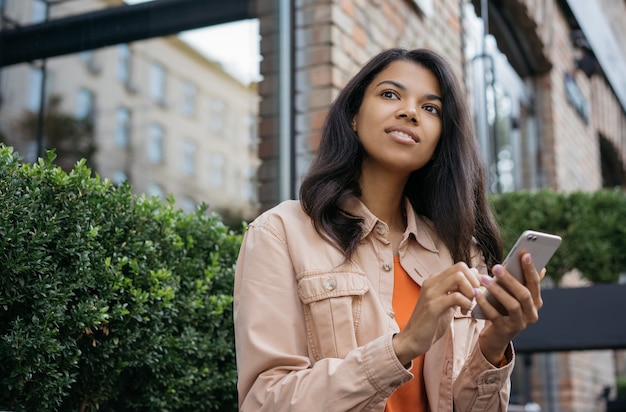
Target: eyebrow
403, 88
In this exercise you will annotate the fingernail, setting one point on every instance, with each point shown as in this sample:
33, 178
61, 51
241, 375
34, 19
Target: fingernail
498, 270
477, 292
486, 280
527, 258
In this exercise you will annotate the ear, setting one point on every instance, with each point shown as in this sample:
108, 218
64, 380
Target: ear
353, 124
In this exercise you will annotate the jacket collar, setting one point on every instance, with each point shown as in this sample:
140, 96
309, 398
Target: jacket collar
417, 226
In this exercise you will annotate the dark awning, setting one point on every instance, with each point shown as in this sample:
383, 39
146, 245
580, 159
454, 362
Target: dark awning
578, 319
122, 24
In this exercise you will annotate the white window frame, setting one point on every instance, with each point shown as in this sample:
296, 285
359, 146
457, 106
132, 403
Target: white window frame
157, 82
189, 157
122, 126
157, 143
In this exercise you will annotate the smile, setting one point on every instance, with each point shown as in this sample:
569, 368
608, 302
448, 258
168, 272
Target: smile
404, 136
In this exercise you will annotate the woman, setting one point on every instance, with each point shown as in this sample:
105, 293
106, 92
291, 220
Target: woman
358, 297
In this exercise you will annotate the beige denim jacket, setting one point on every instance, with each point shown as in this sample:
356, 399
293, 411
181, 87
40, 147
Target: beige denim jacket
313, 331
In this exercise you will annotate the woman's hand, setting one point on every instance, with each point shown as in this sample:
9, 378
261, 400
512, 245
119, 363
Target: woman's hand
431, 317
521, 304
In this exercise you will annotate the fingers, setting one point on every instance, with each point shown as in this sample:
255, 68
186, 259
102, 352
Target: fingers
454, 287
462, 279
532, 282
533, 279
514, 299
440, 295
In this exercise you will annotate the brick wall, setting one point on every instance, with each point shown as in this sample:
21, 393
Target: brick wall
268, 171
577, 162
332, 39
335, 37
576, 152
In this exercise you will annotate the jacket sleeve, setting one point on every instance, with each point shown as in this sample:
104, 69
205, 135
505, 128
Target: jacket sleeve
275, 371
482, 387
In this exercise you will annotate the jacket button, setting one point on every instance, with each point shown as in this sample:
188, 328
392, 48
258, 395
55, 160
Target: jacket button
330, 284
387, 266
491, 379
391, 314
380, 229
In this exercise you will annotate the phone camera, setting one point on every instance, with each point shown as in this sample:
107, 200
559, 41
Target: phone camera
531, 237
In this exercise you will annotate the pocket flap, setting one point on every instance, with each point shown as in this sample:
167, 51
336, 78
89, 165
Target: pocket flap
312, 288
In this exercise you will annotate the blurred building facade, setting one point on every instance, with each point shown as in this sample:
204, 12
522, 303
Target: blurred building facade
165, 117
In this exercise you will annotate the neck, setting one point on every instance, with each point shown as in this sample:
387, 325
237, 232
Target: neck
385, 201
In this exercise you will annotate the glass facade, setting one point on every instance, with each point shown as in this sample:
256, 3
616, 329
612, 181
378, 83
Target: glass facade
504, 116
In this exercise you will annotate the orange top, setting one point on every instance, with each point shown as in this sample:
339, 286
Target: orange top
412, 395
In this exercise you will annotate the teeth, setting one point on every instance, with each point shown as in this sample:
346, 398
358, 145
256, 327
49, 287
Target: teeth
403, 134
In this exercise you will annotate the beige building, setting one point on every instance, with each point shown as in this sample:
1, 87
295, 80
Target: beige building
166, 118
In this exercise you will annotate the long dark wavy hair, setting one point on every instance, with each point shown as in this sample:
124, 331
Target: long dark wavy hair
450, 190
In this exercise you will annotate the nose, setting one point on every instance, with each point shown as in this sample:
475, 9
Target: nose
408, 113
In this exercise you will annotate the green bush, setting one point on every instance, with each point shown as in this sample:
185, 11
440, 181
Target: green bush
592, 225
110, 301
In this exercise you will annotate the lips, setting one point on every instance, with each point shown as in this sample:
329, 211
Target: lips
403, 132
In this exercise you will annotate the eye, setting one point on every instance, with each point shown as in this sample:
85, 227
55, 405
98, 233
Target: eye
432, 109
390, 94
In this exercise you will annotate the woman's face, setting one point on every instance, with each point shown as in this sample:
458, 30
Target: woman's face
399, 121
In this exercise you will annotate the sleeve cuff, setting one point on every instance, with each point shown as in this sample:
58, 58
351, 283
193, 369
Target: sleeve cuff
384, 370
492, 378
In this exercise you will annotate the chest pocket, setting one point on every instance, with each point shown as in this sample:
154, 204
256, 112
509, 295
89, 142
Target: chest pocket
332, 308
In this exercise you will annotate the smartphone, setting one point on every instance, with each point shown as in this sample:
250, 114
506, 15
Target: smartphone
541, 247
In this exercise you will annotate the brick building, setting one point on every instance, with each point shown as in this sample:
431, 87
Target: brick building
565, 128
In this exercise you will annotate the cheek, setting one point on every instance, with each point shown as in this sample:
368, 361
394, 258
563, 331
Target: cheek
433, 129
434, 138
435, 124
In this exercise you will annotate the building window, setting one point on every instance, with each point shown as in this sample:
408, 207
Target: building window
248, 187
218, 112
187, 204
613, 168
504, 116
189, 98
189, 157
119, 178
216, 175
85, 104
91, 62
33, 100
122, 127
155, 147
124, 63
39, 11
155, 190
157, 83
